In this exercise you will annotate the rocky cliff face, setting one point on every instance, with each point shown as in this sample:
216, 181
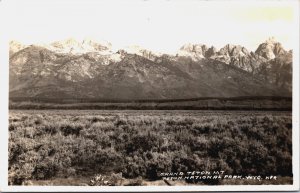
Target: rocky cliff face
89, 69
270, 49
195, 51
14, 47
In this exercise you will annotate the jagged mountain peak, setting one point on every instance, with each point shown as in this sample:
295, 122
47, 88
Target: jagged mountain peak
14, 42
75, 46
66, 42
15, 46
211, 52
193, 47
138, 50
233, 50
99, 45
270, 49
194, 51
271, 40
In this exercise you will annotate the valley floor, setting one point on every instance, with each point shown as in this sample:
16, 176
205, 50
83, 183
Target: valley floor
128, 147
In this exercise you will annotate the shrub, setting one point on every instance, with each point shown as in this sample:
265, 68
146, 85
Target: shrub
45, 170
71, 128
55, 144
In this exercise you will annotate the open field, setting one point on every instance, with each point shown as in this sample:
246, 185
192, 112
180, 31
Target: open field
86, 147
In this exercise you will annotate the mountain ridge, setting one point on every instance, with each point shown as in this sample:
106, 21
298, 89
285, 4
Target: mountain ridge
136, 73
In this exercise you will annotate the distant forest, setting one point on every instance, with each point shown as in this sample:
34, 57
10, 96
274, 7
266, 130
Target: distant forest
203, 103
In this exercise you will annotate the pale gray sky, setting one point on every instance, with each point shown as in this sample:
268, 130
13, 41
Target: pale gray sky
159, 25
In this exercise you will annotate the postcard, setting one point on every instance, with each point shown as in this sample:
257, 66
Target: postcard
149, 95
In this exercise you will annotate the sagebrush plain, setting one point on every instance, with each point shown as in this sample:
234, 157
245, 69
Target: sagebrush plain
112, 147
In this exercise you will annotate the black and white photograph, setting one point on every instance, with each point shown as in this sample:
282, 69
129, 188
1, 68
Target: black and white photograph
140, 95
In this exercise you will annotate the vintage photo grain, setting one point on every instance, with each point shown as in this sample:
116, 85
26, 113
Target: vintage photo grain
151, 93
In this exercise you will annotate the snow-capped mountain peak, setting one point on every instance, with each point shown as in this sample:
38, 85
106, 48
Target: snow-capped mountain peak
270, 49
74, 46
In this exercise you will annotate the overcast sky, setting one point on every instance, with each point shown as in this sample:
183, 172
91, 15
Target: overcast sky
161, 25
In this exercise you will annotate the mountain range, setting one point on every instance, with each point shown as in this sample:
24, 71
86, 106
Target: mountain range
90, 69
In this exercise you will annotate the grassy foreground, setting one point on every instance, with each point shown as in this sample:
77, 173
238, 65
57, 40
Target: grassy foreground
134, 147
